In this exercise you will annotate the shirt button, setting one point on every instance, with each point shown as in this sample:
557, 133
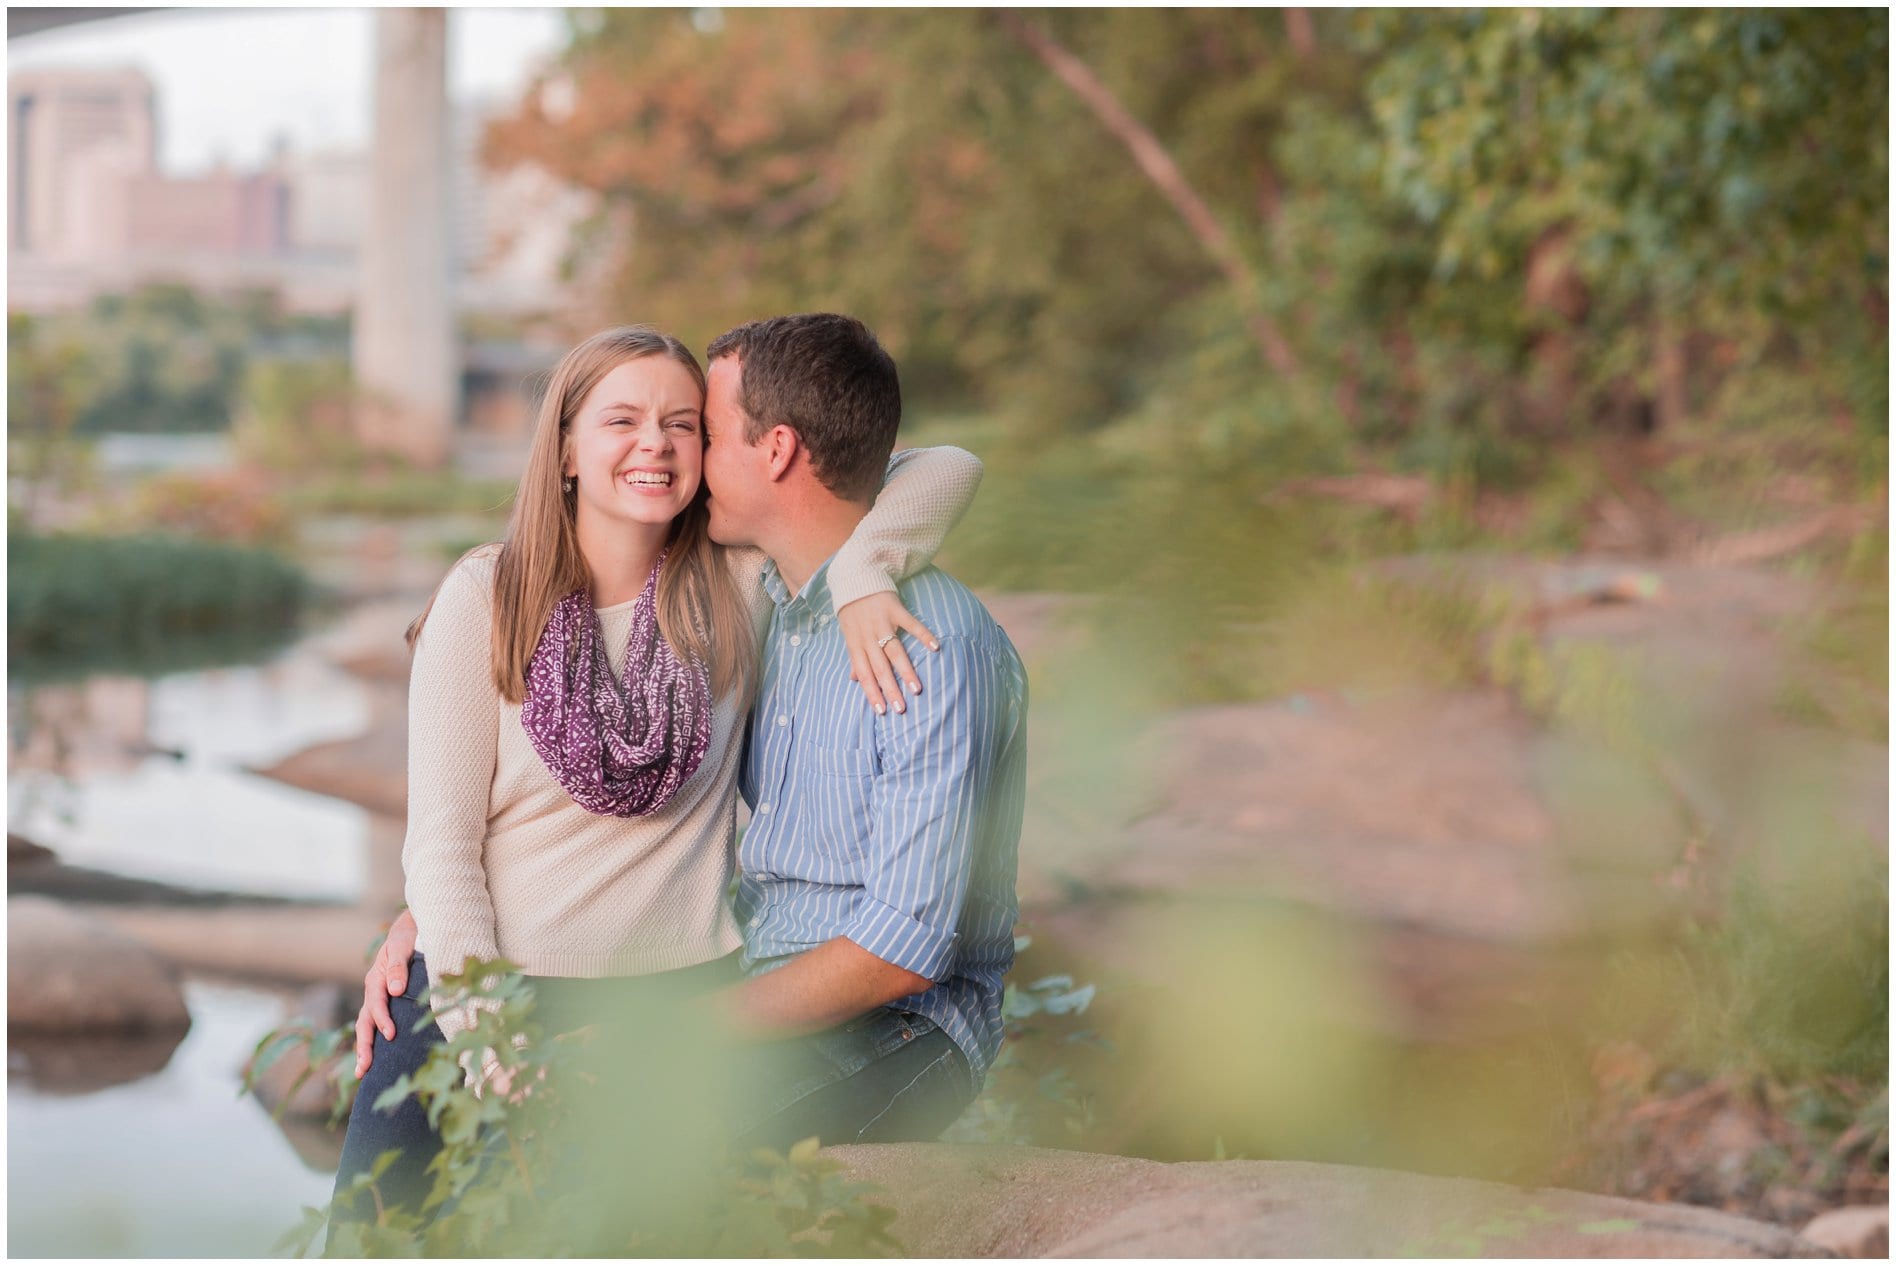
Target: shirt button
764, 808
796, 639
783, 720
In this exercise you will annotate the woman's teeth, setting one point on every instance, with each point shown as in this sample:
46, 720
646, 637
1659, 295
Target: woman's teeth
651, 477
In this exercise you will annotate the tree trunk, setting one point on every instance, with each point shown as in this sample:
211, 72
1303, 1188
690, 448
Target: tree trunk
1159, 168
1669, 368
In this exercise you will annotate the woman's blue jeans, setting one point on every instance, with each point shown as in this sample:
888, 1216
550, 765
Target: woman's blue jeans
404, 1127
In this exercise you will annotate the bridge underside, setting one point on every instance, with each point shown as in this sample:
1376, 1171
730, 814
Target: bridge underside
33, 21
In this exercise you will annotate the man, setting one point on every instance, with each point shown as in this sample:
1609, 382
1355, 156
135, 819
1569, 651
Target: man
876, 877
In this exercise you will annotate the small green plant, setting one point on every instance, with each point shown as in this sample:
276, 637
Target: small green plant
318, 1046
540, 1161
1033, 1097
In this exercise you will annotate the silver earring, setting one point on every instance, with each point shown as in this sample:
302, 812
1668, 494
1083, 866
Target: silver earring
566, 484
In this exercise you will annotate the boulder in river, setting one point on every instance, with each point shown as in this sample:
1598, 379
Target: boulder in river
24, 852
70, 973
958, 1201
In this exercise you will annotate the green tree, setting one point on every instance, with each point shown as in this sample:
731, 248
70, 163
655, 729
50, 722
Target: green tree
49, 376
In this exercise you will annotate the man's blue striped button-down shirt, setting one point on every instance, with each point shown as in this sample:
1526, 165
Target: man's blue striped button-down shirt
899, 831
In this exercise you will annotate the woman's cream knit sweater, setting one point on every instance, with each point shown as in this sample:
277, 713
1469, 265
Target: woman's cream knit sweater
498, 859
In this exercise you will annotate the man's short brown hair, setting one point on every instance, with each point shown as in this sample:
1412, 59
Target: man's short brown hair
827, 378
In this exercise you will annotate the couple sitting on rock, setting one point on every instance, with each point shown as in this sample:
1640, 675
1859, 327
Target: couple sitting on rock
694, 574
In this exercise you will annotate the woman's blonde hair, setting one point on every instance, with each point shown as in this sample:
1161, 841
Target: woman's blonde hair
699, 610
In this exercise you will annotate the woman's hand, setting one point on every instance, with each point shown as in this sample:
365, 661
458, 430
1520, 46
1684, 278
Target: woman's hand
871, 629
387, 978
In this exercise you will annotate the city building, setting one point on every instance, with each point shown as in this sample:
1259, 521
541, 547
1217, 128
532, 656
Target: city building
92, 213
72, 134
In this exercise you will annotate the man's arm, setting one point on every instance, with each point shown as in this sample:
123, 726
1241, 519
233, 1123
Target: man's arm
836, 981
936, 762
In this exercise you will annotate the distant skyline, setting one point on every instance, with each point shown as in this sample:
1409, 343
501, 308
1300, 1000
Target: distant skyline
230, 81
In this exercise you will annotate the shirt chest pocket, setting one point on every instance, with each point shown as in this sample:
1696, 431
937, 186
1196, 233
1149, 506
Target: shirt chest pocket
837, 818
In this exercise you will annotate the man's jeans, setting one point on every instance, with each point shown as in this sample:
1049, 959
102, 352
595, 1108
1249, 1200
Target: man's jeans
886, 1077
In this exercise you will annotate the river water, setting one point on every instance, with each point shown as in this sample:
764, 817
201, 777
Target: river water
172, 1165
149, 778
117, 773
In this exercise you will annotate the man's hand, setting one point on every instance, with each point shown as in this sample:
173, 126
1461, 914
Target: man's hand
387, 978
837, 981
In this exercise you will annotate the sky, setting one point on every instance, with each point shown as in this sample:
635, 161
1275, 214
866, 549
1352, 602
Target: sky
229, 80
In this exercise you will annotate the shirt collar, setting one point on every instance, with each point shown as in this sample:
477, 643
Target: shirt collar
813, 598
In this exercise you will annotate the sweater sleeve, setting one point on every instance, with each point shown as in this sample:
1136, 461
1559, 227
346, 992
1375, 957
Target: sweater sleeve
924, 494
453, 736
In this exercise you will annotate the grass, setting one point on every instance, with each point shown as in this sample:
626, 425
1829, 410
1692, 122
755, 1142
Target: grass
121, 601
1840, 676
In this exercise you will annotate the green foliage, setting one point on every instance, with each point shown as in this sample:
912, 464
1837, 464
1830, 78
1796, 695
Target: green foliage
1797, 968
539, 1162
162, 358
1489, 237
120, 598
1841, 673
295, 415
49, 375
317, 1046
1712, 153
1035, 1094
167, 359
389, 490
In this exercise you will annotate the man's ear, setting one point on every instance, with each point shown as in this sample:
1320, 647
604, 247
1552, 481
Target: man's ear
781, 449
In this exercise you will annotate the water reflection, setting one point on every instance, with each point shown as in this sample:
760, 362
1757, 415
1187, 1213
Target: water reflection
172, 1165
81, 1064
149, 778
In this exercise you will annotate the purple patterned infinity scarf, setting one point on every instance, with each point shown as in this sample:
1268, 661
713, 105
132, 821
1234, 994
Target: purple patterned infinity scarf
620, 748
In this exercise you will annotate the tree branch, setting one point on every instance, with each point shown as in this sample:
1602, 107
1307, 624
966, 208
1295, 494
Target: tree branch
1159, 168
1302, 31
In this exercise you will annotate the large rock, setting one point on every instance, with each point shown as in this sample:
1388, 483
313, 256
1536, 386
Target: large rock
370, 770
1860, 1230
956, 1201
68, 972
22, 852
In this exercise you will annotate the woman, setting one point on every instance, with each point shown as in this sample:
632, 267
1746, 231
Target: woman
576, 714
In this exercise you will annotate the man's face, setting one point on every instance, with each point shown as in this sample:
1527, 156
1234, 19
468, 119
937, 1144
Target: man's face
734, 471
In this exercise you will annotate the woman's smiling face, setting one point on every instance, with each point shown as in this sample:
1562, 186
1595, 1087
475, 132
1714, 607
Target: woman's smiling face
636, 444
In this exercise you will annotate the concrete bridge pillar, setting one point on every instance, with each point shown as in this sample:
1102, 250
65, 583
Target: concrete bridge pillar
404, 355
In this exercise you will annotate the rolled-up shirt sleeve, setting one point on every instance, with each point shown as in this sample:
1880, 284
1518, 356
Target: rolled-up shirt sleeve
924, 806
